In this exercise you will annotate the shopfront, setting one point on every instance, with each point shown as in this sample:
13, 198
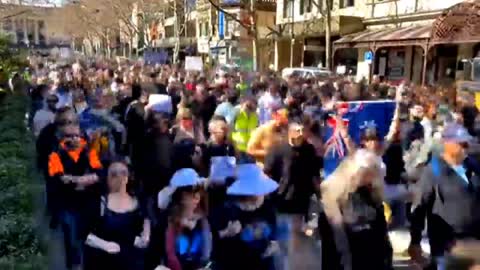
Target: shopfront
428, 53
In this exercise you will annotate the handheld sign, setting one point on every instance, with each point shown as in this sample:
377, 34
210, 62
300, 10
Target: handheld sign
194, 63
160, 103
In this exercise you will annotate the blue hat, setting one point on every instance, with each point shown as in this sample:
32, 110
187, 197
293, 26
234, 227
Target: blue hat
456, 133
186, 178
251, 181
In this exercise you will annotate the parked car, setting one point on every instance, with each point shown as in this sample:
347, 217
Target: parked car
306, 72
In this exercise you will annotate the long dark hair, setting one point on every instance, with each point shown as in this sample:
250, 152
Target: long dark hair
176, 207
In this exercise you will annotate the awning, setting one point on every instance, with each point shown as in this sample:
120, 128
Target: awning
390, 37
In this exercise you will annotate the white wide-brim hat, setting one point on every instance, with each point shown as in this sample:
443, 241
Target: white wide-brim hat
251, 181
185, 178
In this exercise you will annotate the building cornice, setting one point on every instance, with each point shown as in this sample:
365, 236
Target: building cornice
417, 16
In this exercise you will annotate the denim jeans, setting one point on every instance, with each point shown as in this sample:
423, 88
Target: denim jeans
395, 196
288, 228
73, 227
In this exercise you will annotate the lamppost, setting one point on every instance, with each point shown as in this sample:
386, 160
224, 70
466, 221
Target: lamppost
292, 31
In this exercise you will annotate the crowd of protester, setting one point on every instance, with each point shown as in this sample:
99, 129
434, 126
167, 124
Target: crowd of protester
222, 176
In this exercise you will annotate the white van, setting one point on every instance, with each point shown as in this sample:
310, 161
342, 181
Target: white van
306, 72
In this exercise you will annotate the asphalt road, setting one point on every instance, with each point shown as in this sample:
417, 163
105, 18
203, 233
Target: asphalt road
307, 256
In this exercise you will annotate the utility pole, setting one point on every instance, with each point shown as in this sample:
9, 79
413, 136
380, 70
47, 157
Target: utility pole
176, 30
328, 33
292, 31
254, 35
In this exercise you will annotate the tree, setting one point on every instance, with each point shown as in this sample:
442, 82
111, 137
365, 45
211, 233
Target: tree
249, 23
92, 21
326, 14
11, 61
106, 20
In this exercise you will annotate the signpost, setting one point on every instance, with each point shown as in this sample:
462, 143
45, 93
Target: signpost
221, 24
368, 56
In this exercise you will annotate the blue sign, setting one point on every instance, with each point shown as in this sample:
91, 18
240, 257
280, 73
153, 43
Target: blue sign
221, 24
368, 57
357, 116
152, 58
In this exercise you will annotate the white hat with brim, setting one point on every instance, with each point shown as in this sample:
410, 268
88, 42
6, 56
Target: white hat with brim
251, 181
456, 133
186, 178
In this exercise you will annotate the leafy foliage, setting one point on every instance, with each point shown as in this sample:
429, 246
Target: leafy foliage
11, 60
19, 246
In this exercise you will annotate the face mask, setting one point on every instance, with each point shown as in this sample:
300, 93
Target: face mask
188, 124
71, 143
364, 190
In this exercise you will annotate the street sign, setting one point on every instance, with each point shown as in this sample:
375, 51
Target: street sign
221, 24
368, 56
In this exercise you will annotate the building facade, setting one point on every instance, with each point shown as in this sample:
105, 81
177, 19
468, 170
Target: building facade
396, 43
236, 32
34, 27
301, 25
392, 39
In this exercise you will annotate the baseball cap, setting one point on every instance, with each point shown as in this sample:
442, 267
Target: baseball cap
456, 133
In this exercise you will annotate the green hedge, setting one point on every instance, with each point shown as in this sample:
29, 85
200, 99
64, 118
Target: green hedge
19, 245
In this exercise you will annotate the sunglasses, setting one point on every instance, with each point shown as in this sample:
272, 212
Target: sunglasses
118, 172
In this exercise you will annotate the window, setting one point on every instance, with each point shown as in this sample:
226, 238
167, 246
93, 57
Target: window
191, 29
31, 31
19, 27
170, 10
204, 29
308, 6
347, 3
302, 7
7, 25
41, 33
169, 31
287, 8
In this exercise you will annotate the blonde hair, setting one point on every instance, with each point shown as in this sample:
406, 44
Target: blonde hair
216, 124
347, 178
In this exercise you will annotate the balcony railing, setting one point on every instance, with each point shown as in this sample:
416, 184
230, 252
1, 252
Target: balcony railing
247, 2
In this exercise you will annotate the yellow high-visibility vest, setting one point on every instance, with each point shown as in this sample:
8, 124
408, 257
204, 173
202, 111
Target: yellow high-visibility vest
243, 126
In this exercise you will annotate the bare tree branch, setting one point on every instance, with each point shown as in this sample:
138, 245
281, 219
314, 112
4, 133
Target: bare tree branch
232, 16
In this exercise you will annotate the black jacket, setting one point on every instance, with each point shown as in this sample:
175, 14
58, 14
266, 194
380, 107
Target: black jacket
366, 236
451, 206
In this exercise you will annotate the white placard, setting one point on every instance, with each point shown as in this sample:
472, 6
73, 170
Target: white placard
221, 168
65, 53
193, 63
160, 103
341, 70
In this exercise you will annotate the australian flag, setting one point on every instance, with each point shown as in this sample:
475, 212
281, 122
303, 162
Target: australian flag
356, 116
